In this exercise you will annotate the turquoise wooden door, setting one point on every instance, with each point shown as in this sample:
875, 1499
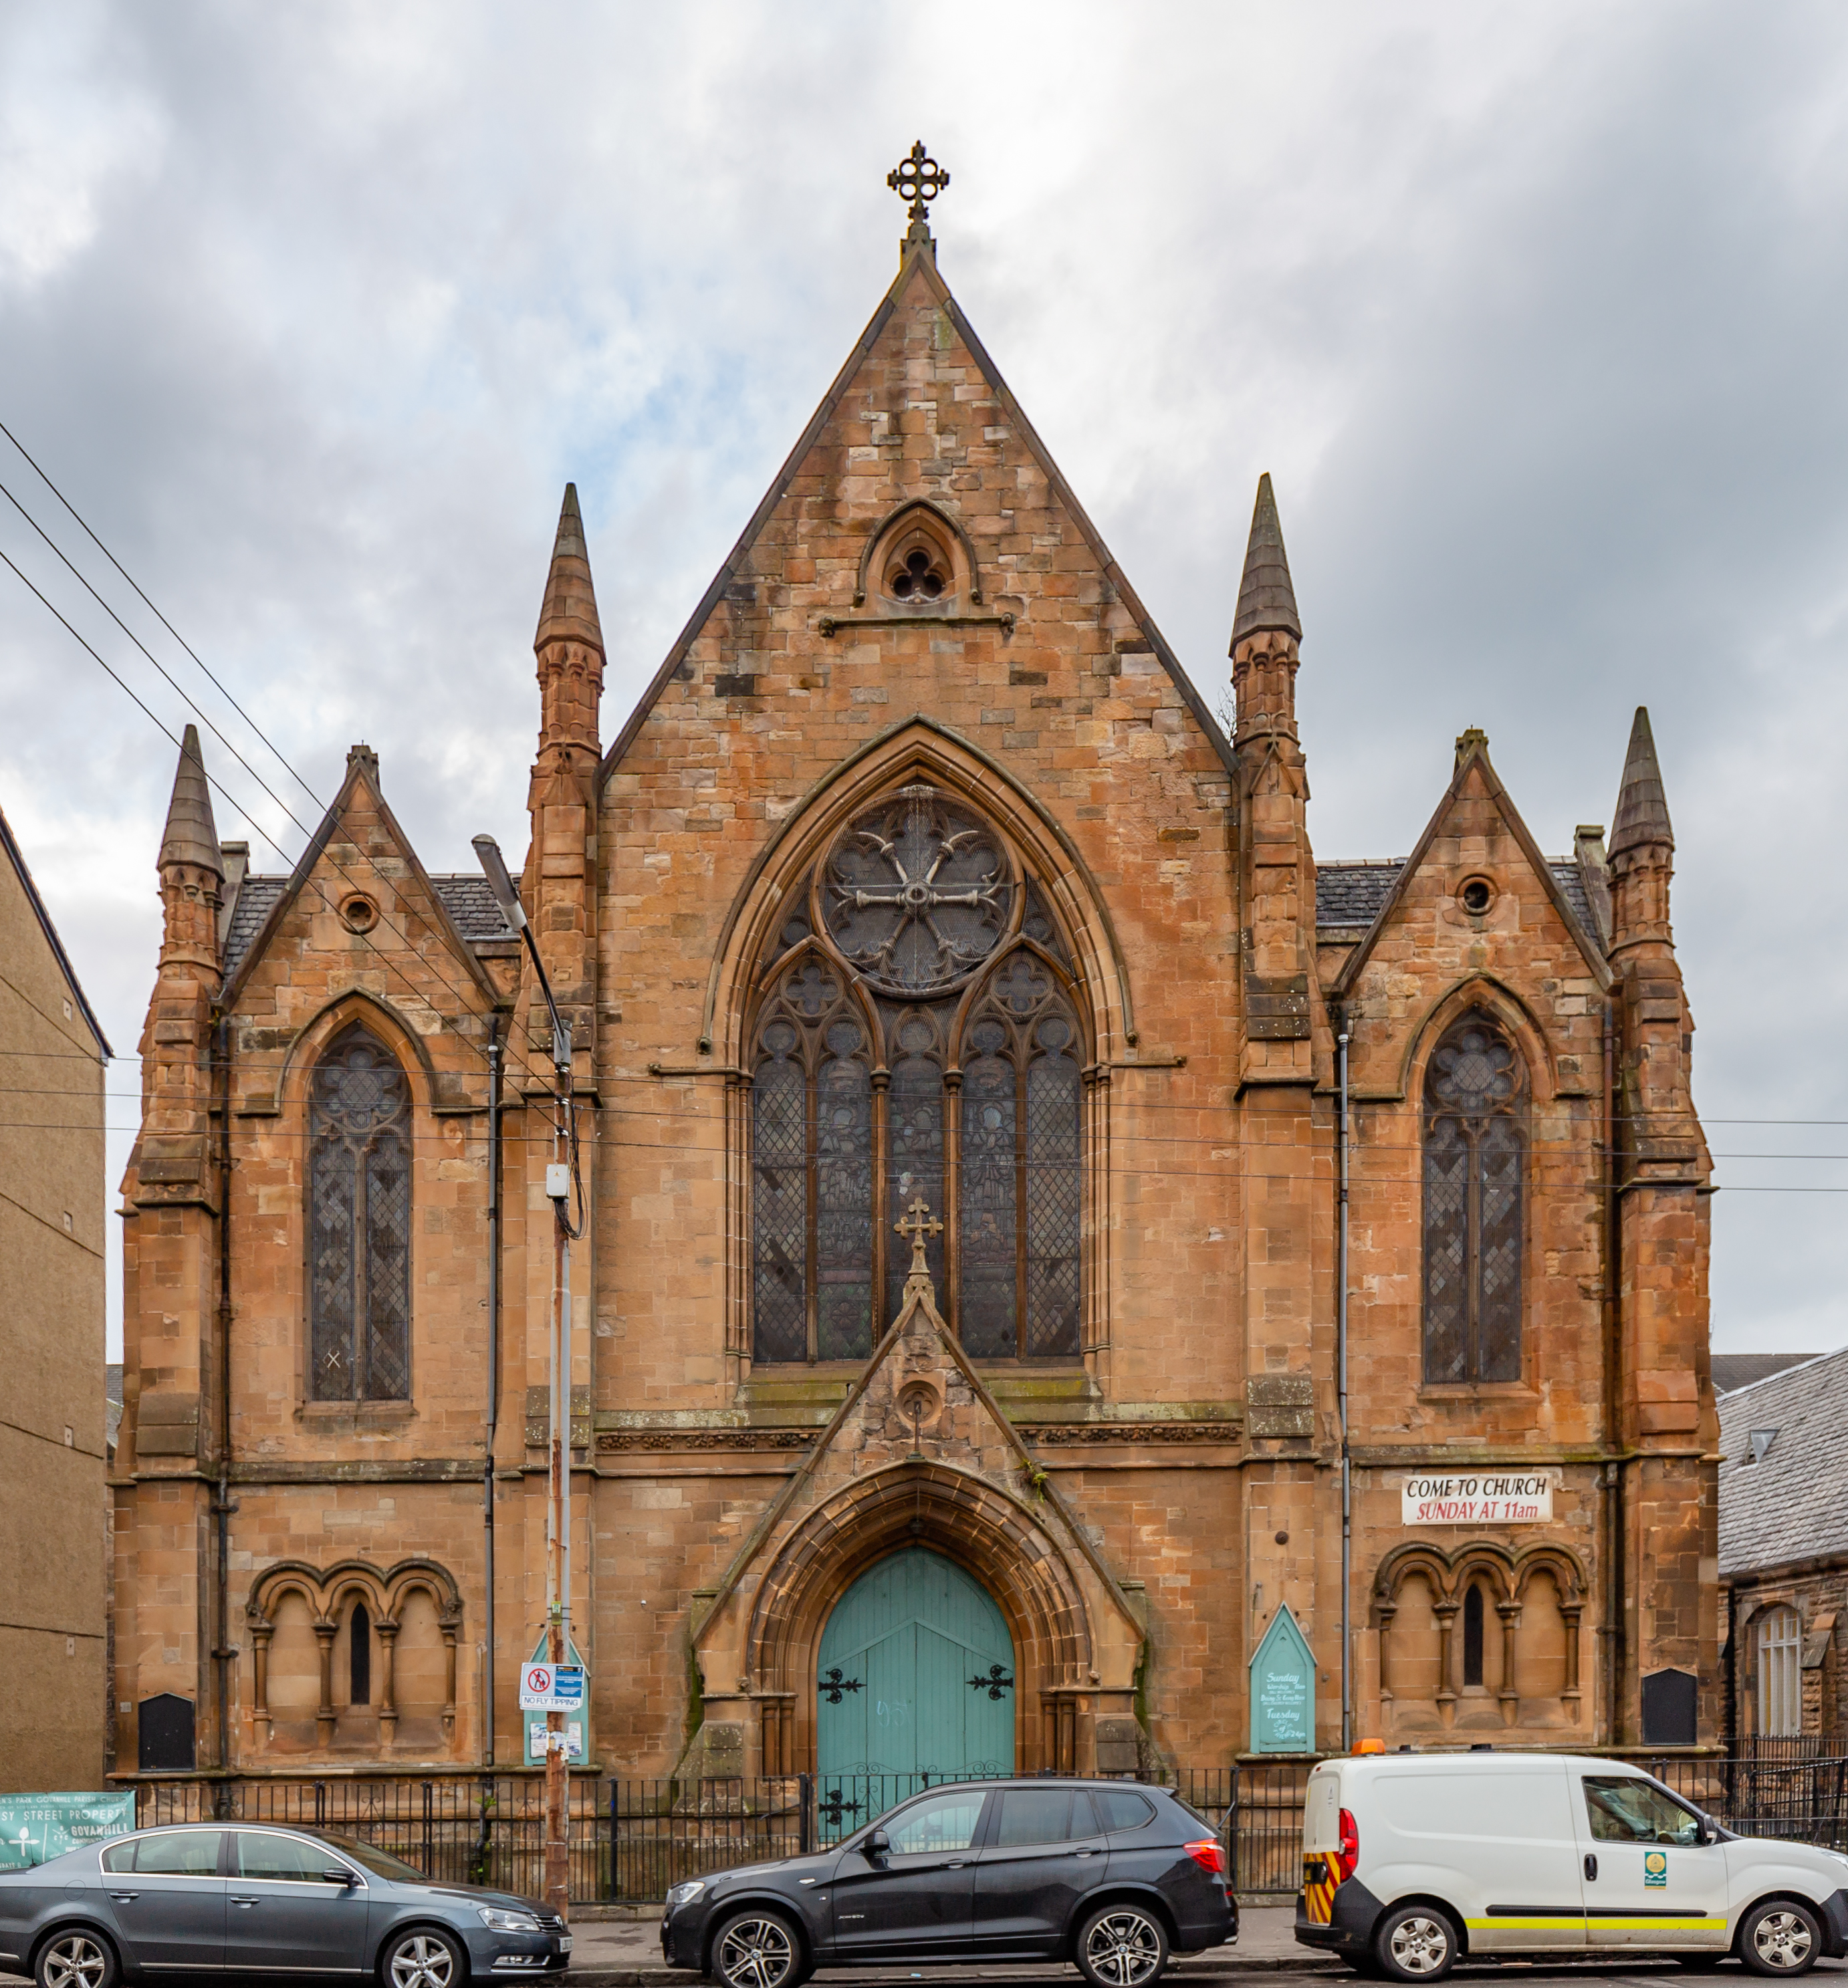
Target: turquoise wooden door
895, 1695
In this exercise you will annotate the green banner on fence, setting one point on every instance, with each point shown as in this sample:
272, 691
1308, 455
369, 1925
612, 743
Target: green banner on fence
35, 1828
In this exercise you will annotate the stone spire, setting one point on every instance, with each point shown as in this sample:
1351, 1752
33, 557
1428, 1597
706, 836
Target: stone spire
569, 610
562, 796
1266, 632
1266, 599
191, 836
1641, 806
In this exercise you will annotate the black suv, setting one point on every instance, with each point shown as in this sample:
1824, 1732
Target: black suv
1105, 1874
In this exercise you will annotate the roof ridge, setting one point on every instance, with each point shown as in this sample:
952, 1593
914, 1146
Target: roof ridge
1784, 1373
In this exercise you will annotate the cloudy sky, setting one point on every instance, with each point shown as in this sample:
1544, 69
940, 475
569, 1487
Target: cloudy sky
1535, 312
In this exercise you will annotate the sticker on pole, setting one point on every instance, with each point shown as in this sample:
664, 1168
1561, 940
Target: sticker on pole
551, 1688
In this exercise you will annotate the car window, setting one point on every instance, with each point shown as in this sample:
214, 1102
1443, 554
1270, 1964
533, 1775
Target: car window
287, 1859
1120, 1810
168, 1853
946, 1822
1035, 1815
368, 1857
1625, 1809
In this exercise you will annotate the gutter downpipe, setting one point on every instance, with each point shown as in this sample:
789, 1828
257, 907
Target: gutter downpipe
1616, 1661
493, 1414
221, 1505
1340, 1386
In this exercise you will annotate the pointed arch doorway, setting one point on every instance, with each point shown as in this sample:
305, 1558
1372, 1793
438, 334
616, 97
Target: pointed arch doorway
897, 1684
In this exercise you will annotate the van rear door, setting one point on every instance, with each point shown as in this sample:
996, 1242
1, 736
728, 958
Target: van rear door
1495, 1838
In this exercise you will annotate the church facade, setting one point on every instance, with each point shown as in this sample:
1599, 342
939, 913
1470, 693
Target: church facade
958, 1018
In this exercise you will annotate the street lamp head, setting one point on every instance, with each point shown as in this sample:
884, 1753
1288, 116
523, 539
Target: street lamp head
494, 868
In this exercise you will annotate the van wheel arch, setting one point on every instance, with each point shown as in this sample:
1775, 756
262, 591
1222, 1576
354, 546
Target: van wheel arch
1786, 1896
1435, 1904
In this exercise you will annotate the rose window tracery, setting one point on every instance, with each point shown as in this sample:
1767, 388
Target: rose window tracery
917, 893
965, 1088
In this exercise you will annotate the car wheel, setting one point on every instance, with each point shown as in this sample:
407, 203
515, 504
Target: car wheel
757, 1950
1781, 1938
423, 1958
1415, 1943
1122, 1946
75, 1959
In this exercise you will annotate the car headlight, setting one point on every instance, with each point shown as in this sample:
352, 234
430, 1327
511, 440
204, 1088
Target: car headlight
496, 1919
685, 1894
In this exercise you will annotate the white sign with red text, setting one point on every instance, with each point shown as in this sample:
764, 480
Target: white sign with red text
1477, 1498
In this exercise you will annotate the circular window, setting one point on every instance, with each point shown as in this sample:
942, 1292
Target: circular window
918, 577
359, 914
1476, 896
917, 893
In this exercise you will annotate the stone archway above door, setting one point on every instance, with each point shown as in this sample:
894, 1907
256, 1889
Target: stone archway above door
962, 1482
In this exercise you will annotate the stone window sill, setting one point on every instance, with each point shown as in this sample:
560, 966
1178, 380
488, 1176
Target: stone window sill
1478, 1391
362, 1415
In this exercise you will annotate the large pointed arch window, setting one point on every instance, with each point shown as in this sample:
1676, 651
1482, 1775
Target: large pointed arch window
359, 1223
1475, 1164
919, 1037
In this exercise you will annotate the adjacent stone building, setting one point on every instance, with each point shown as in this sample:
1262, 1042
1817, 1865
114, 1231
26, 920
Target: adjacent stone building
54, 1712
1783, 1480
921, 887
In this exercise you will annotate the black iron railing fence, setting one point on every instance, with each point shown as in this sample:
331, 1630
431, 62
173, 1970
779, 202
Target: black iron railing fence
463, 1828
632, 1840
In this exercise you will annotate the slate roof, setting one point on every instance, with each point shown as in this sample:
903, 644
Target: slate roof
1732, 1370
1792, 1503
467, 899
1351, 894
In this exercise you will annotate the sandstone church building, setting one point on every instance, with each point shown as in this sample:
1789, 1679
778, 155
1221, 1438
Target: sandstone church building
921, 886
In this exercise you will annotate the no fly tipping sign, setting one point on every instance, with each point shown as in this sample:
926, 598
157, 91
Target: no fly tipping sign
551, 1688
1477, 1498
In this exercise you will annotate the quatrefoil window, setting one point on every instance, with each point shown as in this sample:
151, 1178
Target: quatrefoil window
918, 577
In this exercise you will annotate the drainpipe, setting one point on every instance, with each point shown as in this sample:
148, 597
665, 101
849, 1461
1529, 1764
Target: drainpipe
493, 1414
1340, 1386
221, 1504
1616, 1666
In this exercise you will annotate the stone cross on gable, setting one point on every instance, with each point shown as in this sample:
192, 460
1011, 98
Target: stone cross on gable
922, 1224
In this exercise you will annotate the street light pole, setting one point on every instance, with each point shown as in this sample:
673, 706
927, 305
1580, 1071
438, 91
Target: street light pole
561, 1181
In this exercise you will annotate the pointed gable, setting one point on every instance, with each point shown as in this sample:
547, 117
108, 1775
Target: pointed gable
376, 862
1474, 804
919, 411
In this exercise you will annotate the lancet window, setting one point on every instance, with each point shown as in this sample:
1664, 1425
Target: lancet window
359, 1223
1475, 1159
919, 1036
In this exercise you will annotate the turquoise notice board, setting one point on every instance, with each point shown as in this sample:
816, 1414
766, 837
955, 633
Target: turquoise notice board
1283, 1689
35, 1828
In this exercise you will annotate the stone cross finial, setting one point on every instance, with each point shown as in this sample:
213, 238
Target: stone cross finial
920, 179
923, 1223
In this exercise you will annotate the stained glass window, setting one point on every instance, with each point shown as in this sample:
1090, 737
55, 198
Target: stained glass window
1475, 1149
359, 1223
812, 1170
850, 1123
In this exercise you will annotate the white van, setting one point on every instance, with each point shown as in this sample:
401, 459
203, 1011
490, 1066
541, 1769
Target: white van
1412, 1860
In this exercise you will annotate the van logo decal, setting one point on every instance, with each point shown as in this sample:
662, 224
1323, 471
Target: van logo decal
1655, 1867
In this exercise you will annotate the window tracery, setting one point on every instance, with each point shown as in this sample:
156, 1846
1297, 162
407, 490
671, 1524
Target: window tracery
918, 1036
1475, 1148
359, 1222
